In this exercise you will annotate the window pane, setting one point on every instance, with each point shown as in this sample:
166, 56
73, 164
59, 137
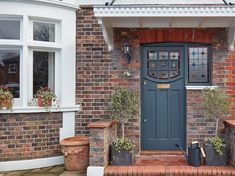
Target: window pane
152, 55
153, 74
43, 70
163, 55
198, 65
44, 32
9, 29
10, 70
152, 65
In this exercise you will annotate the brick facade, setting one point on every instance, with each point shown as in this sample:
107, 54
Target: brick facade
29, 136
99, 70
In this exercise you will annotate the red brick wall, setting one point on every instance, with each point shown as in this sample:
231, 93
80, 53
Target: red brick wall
29, 136
99, 70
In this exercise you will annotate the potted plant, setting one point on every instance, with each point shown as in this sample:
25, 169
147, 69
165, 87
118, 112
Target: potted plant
216, 105
124, 104
6, 98
45, 97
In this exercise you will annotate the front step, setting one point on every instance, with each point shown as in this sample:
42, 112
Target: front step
160, 152
160, 160
169, 171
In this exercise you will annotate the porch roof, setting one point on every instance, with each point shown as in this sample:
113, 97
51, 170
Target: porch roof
166, 16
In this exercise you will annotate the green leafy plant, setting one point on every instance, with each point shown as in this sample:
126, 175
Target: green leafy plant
124, 104
216, 105
218, 144
45, 97
6, 97
123, 143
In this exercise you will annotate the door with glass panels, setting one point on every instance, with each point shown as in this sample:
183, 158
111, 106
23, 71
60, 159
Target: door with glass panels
163, 98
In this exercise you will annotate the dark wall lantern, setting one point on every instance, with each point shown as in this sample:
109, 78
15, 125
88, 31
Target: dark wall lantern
126, 48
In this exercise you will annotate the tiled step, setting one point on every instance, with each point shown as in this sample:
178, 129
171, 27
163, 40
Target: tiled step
169, 171
160, 160
160, 152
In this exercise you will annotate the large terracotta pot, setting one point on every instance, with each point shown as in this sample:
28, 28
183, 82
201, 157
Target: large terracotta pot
76, 153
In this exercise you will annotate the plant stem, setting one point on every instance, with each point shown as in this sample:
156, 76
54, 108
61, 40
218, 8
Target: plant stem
216, 128
123, 130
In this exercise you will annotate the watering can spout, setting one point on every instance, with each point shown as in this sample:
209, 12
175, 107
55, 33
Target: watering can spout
185, 155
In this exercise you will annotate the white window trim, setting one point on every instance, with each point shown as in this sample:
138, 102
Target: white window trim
64, 45
15, 18
36, 109
200, 87
30, 73
17, 101
57, 24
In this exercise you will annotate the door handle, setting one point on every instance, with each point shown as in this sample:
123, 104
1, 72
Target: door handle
145, 120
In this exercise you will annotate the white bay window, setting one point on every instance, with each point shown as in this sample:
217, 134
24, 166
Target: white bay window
37, 49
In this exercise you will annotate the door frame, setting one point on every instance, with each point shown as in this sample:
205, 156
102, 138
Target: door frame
165, 44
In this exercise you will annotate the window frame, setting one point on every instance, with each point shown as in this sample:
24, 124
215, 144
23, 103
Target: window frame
48, 21
13, 18
56, 71
17, 101
210, 59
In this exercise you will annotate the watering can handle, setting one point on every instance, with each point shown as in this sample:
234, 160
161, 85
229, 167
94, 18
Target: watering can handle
194, 142
203, 153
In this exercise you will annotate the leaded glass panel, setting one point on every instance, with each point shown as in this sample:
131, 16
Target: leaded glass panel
173, 74
174, 55
163, 74
153, 74
163, 55
152, 65
174, 65
152, 55
163, 65
198, 65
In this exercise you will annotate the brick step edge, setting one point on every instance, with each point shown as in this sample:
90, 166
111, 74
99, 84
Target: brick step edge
169, 170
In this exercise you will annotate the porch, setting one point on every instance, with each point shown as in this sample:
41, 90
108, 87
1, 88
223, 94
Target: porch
166, 164
151, 162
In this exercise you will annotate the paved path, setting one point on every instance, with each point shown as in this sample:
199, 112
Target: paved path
46, 171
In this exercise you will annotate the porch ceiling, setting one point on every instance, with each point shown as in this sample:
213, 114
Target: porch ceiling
159, 16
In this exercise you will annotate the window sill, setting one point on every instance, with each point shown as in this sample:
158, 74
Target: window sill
35, 109
200, 87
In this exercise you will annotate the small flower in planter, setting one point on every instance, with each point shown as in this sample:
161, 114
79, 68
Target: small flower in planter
6, 98
45, 97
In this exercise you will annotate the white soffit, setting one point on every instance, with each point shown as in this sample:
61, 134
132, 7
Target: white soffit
118, 2
165, 16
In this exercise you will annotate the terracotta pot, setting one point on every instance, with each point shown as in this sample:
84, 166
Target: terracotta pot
76, 153
41, 100
6, 103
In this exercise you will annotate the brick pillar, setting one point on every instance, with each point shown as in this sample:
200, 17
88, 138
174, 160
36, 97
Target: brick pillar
230, 139
102, 133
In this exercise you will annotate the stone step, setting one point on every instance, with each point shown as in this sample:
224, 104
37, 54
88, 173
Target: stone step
169, 171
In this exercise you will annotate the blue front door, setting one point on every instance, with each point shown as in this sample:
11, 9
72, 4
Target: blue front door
163, 97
